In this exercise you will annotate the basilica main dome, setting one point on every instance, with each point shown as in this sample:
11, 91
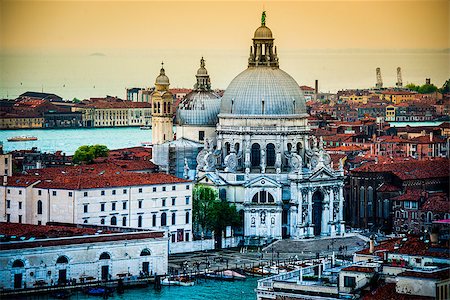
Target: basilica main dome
263, 89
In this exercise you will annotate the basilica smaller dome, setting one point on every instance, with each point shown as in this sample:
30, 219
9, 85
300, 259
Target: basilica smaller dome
162, 79
263, 32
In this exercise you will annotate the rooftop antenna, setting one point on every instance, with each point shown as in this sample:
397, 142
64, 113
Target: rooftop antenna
379, 84
399, 83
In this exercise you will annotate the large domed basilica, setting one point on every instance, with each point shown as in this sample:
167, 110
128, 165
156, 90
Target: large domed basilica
264, 159
258, 151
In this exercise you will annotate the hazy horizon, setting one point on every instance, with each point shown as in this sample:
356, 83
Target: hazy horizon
90, 49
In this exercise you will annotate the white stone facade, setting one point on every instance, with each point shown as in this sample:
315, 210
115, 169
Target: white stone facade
160, 206
73, 258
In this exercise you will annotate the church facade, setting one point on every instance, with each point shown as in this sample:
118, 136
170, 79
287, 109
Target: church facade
265, 161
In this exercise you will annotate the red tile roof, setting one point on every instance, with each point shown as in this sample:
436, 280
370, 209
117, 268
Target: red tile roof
438, 202
388, 188
111, 174
408, 170
359, 269
410, 195
439, 275
425, 139
43, 231
388, 292
412, 246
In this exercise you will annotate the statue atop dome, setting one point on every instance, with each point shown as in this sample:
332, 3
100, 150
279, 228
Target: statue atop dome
263, 18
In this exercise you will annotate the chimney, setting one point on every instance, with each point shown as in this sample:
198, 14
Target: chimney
427, 80
431, 136
372, 244
434, 237
316, 88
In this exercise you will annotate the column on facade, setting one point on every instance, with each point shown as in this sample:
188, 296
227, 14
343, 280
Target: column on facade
331, 218
341, 210
325, 213
309, 215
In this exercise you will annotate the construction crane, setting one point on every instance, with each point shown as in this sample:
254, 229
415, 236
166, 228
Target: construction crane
399, 83
379, 84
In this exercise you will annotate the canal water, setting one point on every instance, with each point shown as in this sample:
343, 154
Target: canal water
68, 140
202, 290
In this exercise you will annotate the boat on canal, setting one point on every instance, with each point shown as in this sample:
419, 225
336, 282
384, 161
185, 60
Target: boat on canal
178, 281
22, 138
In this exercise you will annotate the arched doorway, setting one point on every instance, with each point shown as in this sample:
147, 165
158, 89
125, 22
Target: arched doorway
61, 263
317, 200
18, 266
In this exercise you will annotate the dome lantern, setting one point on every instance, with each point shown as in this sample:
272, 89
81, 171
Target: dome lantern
162, 81
262, 54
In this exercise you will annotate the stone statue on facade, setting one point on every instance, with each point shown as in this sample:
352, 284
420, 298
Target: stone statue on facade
186, 169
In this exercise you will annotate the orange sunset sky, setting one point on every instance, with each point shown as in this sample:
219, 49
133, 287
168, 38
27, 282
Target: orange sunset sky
102, 25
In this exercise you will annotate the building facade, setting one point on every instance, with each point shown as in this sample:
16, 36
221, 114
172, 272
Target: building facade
127, 199
77, 254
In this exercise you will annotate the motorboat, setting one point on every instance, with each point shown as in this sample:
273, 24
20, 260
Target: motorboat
179, 281
22, 138
145, 127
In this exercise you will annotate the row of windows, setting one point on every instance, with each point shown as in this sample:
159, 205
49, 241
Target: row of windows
124, 204
113, 220
18, 263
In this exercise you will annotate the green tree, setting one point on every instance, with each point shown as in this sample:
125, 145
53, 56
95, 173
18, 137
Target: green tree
412, 87
210, 213
427, 89
87, 153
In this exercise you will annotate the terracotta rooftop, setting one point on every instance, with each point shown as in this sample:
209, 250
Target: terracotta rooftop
437, 202
439, 275
427, 140
43, 231
412, 246
359, 269
388, 188
111, 174
412, 169
410, 195
388, 292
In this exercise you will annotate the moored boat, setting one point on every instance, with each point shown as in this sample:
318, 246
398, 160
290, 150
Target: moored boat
179, 281
145, 127
22, 138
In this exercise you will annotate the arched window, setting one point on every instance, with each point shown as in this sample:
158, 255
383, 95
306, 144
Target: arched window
289, 147
370, 202
154, 220
62, 260
39, 207
227, 148
361, 202
105, 255
446, 216
173, 218
113, 220
164, 219
102, 221
187, 217
429, 217
18, 264
255, 198
165, 107
124, 221
145, 252
256, 155
140, 221
270, 198
270, 151
236, 147
299, 147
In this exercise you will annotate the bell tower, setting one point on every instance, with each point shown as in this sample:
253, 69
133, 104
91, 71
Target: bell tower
162, 110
